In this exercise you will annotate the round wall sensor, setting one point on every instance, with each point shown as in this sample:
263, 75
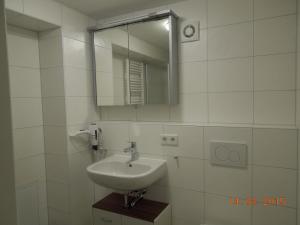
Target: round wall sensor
189, 31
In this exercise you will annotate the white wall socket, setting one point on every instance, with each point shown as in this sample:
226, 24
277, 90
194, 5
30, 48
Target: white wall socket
169, 139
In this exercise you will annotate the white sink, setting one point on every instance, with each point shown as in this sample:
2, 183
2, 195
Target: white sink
115, 172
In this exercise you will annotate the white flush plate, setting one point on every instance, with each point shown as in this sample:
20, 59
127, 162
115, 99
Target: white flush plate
228, 154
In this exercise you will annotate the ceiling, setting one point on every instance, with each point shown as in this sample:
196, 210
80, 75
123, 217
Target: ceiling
108, 8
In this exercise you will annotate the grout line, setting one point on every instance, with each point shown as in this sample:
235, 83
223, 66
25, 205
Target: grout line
250, 20
253, 82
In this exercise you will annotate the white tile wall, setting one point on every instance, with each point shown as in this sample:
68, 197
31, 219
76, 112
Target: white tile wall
227, 181
284, 184
263, 215
248, 84
280, 69
276, 35
275, 147
230, 41
274, 107
231, 107
46, 10
230, 75
218, 210
27, 118
192, 77
229, 12
272, 8
190, 144
193, 108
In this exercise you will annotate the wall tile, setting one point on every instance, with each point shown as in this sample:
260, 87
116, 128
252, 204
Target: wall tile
74, 78
22, 43
190, 141
180, 173
51, 52
57, 168
192, 10
76, 53
275, 147
15, 5
115, 135
274, 107
118, 113
28, 142
57, 217
28, 195
276, 35
230, 41
275, 72
235, 182
272, 8
264, 215
191, 108
81, 110
194, 51
234, 107
53, 82
194, 211
29, 170
46, 10
219, 210
147, 137
229, 11
153, 113
55, 139
80, 183
193, 77
58, 196
75, 24
24, 82
31, 107
230, 75
54, 111
283, 184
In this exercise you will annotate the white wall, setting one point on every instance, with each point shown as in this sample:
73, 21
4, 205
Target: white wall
240, 40
242, 71
8, 209
236, 83
67, 105
27, 118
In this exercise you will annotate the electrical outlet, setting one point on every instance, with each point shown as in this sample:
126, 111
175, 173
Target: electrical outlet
164, 139
169, 139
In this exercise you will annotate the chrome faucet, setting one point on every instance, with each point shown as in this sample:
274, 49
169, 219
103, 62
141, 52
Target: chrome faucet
133, 150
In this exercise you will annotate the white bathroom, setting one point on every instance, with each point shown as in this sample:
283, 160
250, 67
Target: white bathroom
139, 112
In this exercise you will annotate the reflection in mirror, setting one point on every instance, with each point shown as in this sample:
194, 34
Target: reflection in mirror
111, 57
136, 64
148, 62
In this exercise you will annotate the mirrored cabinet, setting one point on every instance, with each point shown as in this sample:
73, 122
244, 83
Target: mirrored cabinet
135, 61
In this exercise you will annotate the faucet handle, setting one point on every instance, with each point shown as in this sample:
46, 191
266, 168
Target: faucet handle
132, 144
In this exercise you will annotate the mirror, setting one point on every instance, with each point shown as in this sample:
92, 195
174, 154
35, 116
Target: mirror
136, 63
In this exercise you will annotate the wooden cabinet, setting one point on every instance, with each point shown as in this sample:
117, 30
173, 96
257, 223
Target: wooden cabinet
110, 211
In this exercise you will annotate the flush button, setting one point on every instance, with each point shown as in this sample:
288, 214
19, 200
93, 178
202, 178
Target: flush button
228, 154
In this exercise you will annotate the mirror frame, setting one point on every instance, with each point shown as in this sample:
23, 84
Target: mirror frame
173, 77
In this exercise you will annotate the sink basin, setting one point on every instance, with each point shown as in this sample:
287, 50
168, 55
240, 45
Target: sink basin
115, 172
